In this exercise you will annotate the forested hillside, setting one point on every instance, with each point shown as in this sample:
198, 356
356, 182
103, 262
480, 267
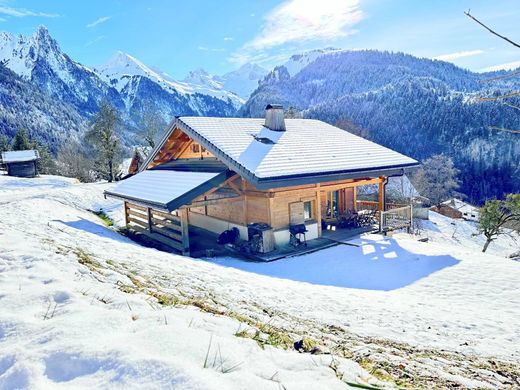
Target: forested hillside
417, 106
23, 105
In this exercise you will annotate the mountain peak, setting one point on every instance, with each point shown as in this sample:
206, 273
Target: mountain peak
42, 34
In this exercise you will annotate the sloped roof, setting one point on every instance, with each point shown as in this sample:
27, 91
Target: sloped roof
20, 156
308, 150
167, 189
461, 206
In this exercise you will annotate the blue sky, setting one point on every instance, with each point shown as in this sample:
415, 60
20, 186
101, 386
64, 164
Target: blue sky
178, 36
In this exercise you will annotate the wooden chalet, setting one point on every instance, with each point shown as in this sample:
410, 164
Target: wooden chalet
21, 163
219, 173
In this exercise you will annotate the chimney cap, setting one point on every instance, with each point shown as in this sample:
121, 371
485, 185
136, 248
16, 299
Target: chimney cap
274, 106
274, 117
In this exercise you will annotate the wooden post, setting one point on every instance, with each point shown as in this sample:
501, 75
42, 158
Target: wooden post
185, 231
149, 212
354, 197
318, 208
127, 221
245, 203
381, 193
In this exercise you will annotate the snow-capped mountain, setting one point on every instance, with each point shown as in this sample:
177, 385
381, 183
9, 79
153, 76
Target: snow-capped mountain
123, 69
299, 61
244, 80
124, 81
39, 59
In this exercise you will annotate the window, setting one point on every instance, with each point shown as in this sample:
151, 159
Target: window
195, 148
307, 210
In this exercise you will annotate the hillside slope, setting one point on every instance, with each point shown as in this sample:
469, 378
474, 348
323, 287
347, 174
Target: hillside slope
23, 105
427, 315
416, 106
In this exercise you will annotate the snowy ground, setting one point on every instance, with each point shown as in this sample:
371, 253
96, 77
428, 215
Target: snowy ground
81, 307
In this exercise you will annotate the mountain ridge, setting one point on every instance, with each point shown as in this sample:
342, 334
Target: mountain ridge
418, 107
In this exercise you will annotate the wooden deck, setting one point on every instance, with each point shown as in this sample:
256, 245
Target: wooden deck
342, 235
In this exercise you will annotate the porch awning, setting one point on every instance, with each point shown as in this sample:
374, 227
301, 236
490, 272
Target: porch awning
167, 189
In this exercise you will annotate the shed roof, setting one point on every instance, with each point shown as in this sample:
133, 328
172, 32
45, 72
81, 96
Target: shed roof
19, 156
307, 150
167, 189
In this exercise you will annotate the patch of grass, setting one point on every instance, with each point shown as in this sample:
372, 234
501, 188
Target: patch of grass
127, 289
87, 260
109, 222
242, 333
165, 299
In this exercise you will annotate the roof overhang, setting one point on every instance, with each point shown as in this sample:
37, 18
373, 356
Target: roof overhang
167, 189
20, 156
281, 181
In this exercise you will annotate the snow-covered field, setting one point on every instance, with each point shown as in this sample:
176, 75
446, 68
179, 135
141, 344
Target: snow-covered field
84, 307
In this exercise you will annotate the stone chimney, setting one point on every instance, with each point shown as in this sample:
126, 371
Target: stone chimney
274, 119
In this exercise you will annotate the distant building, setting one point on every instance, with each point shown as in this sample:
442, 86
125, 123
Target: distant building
456, 208
22, 163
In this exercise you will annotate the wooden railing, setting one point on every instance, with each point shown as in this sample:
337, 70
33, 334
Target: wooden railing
372, 205
396, 218
169, 229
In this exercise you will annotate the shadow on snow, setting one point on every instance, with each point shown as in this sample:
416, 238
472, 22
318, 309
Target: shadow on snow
374, 265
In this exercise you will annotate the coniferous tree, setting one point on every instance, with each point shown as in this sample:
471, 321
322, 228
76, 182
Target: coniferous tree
105, 138
46, 163
21, 140
4, 143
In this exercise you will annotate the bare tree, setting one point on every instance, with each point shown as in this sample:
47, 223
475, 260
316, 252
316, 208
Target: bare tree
151, 125
501, 98
437, 179
74, 161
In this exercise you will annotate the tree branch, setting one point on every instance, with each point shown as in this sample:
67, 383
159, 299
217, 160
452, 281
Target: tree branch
487, 99
511, 105
504, 129
467, 13
504, 76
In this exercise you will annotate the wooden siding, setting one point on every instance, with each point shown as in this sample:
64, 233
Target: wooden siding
170, 229
22, 169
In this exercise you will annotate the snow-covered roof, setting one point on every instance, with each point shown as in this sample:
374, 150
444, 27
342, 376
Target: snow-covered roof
167, 189
20, 156
308, 148
461, 206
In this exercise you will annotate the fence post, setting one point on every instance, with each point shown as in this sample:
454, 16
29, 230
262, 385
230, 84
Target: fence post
410, 229
149, 210
381, 221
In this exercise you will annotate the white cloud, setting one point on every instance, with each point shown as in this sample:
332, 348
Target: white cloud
300, 21
95, 40
459, 54
205, 48
228, 38
102, 19
506, 66
22, 12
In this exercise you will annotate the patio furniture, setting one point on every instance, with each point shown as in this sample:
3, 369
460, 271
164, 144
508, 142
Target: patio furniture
349, 219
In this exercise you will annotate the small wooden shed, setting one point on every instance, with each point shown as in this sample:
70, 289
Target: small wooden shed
21, 163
